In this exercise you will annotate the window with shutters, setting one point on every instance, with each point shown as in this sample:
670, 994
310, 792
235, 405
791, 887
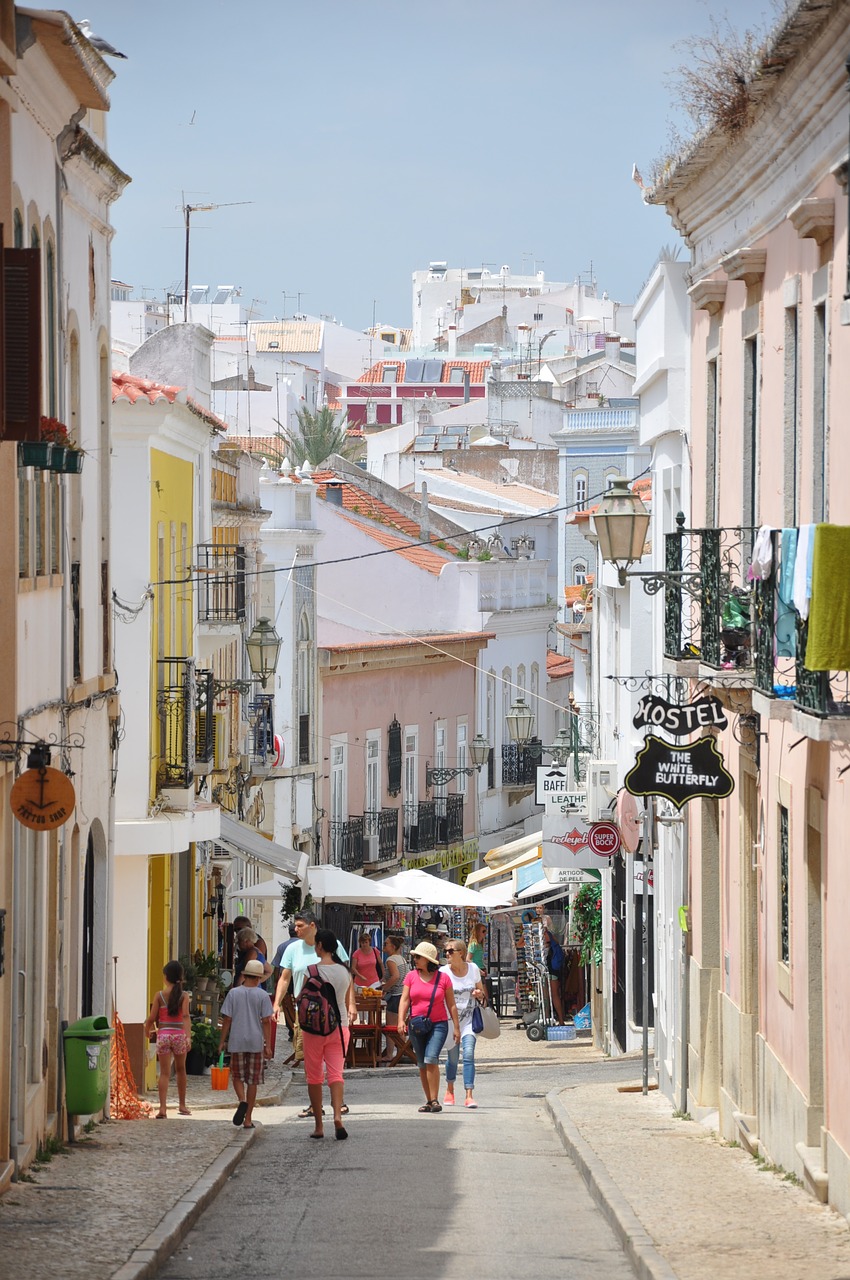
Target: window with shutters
24, 563
394, 758
21, 338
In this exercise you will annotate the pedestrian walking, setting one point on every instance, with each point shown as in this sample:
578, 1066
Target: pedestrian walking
427, 997
246, 1026
296, 960
325, 1007
248, 948
475, 950
169, 1021
468, 986
396, 970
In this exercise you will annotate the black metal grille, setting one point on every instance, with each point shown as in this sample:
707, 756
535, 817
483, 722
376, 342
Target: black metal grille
204, 718
491, 768
784, 897
175, 718
709, 616
304, 739
420, 826
519, 765
450, 820
262, 729
380, 834
346, 843
221, 583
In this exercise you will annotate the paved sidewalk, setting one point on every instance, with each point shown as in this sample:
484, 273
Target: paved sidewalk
119, 1200
687, 1205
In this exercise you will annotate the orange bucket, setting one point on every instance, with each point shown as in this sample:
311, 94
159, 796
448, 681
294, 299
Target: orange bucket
220, 1077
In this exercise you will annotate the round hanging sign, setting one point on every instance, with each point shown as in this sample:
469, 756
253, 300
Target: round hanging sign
43, 799
604, 839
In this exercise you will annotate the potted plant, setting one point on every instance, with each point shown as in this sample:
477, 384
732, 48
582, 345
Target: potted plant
206, 967
204, 1049
190, 973
66, 456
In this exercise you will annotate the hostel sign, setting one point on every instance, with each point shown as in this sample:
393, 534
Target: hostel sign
680, 719
680, 774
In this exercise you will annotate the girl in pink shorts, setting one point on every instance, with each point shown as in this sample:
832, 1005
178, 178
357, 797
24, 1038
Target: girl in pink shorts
327, 1053
170, 1016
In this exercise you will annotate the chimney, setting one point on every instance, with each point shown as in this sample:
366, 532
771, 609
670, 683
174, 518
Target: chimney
333, 493
466, 386
424, 522
612, 346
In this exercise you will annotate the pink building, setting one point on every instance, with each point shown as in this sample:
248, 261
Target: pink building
764, 211
392, 707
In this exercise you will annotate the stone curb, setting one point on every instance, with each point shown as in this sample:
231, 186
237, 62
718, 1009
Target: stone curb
637, 1243
227, 1101
145, 1261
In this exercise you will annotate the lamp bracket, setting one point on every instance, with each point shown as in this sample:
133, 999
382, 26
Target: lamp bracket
439, 777
242, 687
652, 582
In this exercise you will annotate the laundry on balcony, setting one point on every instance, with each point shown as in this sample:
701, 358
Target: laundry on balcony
828, 642
785, 628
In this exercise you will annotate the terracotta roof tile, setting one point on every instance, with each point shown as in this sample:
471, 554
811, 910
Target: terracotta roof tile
477, 371
287, 335
362, 503
126, 386
427, 639
421, 557
558, 666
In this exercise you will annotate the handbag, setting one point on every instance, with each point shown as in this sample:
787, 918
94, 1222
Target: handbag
477, 1019
423, 1026
490, 1028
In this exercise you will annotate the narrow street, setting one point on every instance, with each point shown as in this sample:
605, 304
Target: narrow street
487, 1192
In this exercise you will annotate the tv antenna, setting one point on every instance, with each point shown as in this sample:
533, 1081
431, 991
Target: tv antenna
188, 210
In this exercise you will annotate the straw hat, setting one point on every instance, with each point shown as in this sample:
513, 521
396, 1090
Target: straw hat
427, 950
254, 969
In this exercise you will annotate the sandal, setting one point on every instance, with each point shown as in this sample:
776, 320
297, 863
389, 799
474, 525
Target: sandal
160, 1115
340, 1132
343, 1111
183, 1111
240, 1113
307, 1113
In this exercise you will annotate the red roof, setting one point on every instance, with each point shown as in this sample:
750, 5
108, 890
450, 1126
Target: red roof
126, 386
359, 502
428, 640
558, 666
421, 557
477, 371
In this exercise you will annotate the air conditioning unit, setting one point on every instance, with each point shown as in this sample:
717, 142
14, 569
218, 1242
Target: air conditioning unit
602, 789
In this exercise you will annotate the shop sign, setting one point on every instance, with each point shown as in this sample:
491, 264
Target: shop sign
43, 799
680, 719
638, 880
457, 855
555, 786
567, 875
604, 839
680, 774
422, 863
566, 845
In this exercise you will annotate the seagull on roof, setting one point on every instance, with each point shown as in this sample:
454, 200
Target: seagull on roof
103, 46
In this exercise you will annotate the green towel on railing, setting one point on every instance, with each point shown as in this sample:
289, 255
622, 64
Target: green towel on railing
828, 646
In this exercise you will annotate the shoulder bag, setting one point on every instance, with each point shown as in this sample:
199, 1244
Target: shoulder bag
490, 1028
477, 1018
424, 1026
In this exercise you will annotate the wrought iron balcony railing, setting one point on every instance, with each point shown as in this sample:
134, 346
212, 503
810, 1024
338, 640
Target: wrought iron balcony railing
519, 765
178, 693
420, 826
204, 720
708, 612
221, 583
449, 819
346, 843
780, 638
261, 713
380, 834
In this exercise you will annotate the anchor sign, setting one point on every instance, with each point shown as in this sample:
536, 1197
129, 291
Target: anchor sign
679, 774
680, 719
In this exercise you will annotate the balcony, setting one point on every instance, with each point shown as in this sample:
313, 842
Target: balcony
185, 729
783, 676
519, 765
221, 583
708, 619
380, 835
346, 843
261, 716
449, 819
420, 826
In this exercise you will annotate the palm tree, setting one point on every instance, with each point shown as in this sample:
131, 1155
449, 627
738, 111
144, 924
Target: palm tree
315, 438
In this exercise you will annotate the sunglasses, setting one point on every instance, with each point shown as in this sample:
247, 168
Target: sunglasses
450, 951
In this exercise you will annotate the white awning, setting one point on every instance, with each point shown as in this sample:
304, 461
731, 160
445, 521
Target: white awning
252, 844
530, 853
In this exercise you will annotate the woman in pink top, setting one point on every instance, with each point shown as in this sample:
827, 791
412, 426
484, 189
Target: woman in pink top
427, 1004
366, 963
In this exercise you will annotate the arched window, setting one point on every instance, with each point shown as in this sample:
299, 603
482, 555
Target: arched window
579, 572
17, 230
580, 490
50, 283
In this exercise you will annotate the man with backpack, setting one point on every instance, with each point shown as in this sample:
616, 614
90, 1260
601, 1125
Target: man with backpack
324, 1006
294, 964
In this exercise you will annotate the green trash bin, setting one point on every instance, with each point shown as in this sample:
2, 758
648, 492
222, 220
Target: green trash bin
87, 1065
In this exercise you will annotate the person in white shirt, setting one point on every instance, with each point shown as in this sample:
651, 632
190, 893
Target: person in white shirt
468, 988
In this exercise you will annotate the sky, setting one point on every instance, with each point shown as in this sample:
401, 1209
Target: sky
351, 142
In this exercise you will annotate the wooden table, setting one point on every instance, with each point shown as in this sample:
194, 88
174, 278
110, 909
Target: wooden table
403, 1047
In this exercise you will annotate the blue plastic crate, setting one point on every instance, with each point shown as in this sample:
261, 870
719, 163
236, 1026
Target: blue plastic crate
560, 1033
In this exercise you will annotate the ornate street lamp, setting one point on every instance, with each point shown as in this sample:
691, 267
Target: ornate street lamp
621, 522
520, 720
263, 645
479, 750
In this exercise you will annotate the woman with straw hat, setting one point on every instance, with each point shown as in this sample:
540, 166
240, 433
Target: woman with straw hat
428, 998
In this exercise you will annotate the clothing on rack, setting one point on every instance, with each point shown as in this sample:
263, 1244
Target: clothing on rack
802, 592
785, 627
762, 557
828, 643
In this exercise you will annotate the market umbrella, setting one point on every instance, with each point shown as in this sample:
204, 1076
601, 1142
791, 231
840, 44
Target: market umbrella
332, 884
423, 887
268, 889
496, 895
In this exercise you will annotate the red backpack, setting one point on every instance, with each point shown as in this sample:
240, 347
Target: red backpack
316, 1006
